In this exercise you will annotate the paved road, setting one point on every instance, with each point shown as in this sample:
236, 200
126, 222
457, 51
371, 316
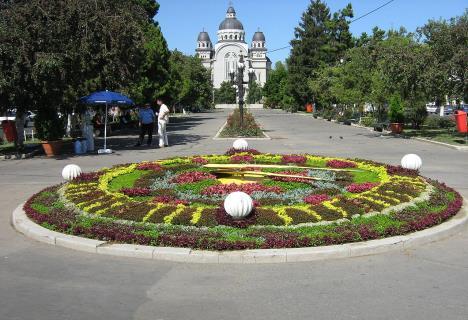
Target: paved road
42, 282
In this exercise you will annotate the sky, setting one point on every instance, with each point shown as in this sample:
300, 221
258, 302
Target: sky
182, 20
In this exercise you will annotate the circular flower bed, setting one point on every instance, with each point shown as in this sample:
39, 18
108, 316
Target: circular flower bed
299, 201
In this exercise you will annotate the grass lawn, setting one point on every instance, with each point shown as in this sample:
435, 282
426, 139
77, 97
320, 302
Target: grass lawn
450, 136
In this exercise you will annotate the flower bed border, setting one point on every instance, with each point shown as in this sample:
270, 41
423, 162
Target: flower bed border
448, 228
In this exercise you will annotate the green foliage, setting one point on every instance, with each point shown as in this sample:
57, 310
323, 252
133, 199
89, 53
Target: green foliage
191, 84
436, 122
255, 93
126, 180
250, 127
275, 89
368, 121
196, 187
320, 40
395, 112
225, 94
49, 126
365, 176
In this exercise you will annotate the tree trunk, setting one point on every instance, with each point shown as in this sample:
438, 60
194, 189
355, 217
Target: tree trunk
19, 142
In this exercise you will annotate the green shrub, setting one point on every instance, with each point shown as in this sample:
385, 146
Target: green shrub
437, 122
250, 127
395, 112
368, 121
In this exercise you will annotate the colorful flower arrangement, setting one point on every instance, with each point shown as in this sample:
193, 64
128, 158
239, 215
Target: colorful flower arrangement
179, 202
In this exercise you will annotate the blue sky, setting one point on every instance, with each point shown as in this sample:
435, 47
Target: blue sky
182, 20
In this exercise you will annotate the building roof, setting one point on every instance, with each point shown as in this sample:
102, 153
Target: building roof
258, 36
204, 36
231, 23
231, 10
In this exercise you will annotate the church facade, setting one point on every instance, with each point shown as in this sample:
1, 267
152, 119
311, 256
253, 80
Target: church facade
224, 55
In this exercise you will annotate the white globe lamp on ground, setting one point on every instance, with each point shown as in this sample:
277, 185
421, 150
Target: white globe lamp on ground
71, 171
411, 161
238, 205
240, 144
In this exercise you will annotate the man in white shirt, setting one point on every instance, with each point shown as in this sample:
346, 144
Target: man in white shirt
163, 119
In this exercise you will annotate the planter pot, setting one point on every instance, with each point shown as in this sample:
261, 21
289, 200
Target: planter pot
396, 128
52, 148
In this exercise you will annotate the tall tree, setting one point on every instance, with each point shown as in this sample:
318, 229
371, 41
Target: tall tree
255, 93
275, 87
320, 39
225, 94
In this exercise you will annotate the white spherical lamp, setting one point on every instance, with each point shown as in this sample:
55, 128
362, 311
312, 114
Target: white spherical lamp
238, 204
411, 161
71, 171
240, 144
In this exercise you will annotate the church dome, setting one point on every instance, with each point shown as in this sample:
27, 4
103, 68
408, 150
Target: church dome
231, 21
204, 36
258, 36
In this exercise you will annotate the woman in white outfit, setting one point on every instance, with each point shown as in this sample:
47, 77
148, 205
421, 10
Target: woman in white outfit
163, 120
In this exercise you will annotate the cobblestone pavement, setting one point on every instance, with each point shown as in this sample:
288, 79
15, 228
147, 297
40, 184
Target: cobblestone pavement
38, 281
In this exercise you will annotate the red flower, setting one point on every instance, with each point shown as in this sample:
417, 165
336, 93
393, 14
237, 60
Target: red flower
242, 159
149, 166
315, 199
199, 160
293, 158
192, 176
136, 192
360, 187
233, 151
339, 164
249, 188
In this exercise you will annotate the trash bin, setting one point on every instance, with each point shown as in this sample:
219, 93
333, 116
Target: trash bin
78, 146
460, 119
9, 129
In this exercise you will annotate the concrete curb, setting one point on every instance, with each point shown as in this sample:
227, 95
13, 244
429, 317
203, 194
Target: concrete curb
451, 146
32, 230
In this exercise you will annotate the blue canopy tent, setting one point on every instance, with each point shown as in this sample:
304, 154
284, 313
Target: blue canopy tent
106, 98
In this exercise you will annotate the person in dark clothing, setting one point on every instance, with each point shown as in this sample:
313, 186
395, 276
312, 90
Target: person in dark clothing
146, 119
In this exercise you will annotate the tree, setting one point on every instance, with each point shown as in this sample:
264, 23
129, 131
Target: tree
225, 94
275, 87
191, 84
54, 52
255, 93
320, 39
447, 41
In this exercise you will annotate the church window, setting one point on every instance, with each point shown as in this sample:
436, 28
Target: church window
230, 37
236, 37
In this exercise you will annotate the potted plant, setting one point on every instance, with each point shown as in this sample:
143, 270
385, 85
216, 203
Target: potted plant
50, 130
396, 114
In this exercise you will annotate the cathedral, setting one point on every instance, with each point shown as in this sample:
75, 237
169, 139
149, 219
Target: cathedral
231, 44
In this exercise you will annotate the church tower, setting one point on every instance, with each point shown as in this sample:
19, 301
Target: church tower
204, 48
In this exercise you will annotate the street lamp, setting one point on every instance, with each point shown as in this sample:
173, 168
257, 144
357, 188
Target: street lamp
237, 79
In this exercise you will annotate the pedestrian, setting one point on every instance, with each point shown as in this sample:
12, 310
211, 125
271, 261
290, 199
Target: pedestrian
163, 120
146, 119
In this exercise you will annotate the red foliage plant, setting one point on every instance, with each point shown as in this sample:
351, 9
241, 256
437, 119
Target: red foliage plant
149, 166
247, 158
315, 199
249, 188
136, 192
192, 176
199, 160
339, 164
293, 158
360, 187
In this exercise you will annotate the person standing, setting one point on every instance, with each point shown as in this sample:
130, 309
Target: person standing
163, 120
146, 118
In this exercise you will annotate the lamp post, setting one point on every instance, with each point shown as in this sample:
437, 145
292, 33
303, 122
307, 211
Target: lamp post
237, 79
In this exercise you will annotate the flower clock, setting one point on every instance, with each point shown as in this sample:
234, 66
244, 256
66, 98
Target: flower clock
293, 201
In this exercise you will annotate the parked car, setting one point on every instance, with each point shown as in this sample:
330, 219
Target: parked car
11, 115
